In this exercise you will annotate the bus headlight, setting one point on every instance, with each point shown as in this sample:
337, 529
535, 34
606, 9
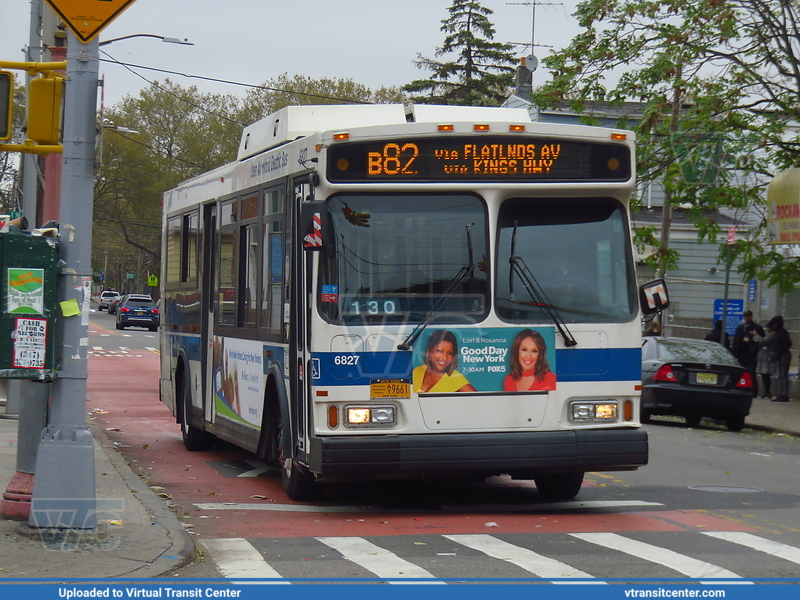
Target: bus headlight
374, 416
594, 411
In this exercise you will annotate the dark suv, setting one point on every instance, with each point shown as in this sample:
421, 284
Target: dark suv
137, 310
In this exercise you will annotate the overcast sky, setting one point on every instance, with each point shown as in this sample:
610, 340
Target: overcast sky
373, 42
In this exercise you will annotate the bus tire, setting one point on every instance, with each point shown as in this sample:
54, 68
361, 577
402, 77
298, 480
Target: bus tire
559, 486
298, 483
194, 439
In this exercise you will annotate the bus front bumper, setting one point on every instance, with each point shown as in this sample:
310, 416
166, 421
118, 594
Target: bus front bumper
521, 455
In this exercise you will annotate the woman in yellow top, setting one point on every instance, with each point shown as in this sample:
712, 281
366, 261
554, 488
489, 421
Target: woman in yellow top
438, 374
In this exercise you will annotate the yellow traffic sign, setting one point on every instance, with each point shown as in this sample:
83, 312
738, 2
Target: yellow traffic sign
152, 281
87, 18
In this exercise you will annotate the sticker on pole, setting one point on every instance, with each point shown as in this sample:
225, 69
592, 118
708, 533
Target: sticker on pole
25, 291
30, 342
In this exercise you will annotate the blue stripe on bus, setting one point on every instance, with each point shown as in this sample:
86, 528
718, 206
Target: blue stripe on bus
573, 364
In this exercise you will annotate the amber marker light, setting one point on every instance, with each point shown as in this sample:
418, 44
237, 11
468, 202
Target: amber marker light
333, 416
627, 410
480, 128
446, 128
638, 387
322, 393
619, 136
341, 136
516, 128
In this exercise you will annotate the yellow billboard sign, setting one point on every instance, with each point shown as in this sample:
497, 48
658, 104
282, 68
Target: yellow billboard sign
87, 18
783, 208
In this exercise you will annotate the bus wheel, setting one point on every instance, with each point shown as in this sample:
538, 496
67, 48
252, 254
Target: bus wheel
298, 483
559, 486
193, 438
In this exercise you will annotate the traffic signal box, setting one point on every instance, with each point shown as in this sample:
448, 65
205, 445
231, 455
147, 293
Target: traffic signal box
44, 110
28, 280
6, 104
44, 98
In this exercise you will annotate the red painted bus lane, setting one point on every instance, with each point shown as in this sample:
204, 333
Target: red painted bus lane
227, 493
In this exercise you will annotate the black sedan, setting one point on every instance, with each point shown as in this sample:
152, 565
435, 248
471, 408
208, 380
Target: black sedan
693, 379
137, 310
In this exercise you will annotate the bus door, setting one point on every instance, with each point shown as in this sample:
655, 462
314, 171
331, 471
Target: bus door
209, 293
299, 330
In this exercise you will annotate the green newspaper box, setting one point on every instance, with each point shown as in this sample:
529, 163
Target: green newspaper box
28, 275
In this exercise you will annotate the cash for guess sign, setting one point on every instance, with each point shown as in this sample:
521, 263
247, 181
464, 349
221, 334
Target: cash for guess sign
30, 337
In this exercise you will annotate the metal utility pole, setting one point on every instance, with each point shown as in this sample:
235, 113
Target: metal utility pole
64, 489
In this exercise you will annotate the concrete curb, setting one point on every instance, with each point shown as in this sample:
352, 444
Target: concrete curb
183, 549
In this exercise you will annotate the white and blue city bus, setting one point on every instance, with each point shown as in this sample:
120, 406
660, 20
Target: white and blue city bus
388, 291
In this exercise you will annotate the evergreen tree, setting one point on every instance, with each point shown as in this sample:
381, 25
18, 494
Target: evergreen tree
481, 72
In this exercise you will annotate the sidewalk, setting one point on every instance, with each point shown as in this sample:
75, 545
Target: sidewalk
151, 541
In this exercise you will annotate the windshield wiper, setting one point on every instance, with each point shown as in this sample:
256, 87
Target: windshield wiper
535, 290
463, 273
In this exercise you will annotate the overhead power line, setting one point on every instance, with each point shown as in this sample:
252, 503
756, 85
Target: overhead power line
130, 67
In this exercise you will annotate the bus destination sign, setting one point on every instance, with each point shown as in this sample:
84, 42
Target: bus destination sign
478, 159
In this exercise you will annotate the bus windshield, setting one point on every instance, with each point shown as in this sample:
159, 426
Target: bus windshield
578, 250
396, 254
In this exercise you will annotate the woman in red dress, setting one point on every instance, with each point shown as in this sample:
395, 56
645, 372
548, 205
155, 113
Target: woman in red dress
529, 367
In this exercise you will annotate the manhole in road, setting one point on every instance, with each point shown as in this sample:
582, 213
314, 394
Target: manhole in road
730, 489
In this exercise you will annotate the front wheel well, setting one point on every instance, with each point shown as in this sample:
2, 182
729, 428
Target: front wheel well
267, 448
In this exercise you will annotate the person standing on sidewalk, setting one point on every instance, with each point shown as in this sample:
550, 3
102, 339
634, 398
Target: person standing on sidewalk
776, 344
719, 336
744, 347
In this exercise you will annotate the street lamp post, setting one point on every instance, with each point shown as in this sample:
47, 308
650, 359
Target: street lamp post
168, 40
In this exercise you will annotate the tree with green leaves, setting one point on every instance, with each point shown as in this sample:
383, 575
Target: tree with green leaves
718, 81
479, 72
181, 133
284, 90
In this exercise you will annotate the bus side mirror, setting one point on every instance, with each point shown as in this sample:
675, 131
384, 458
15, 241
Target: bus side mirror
314, 225
653, 297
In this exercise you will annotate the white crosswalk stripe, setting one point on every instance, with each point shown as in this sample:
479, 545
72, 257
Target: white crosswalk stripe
376, 559
789, 553
236, 557
691, 567
522, 557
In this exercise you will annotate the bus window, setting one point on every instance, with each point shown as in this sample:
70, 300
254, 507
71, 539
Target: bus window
191, 230
173, 258
578, 252
226, 269
248, 270
395, 255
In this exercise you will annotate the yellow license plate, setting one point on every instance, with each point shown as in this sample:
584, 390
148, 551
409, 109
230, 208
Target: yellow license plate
707, 378
390, 388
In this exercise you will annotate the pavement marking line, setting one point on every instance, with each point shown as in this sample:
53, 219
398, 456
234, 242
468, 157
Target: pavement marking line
784, 551
691, 567
447, 509
236, 557
529, 560
282, 507
376, 559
